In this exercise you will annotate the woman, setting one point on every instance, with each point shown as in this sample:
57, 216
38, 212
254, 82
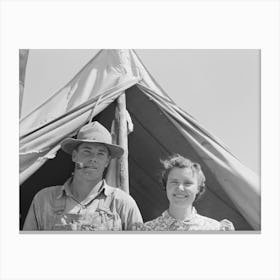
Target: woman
184, 183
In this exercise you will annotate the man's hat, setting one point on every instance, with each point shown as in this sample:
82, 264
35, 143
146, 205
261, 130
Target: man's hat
93, 132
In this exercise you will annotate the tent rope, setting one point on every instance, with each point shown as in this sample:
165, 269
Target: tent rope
93, 109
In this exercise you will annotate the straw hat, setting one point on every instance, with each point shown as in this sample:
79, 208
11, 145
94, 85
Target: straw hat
93, 132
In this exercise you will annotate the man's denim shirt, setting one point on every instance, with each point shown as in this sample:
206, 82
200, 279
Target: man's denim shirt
55, 208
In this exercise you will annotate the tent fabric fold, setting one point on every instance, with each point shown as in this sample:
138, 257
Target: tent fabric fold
154, 122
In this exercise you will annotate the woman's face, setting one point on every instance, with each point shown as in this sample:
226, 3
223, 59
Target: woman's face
181, 187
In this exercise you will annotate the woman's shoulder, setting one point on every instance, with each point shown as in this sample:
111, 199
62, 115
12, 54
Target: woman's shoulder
226, 225
212, 224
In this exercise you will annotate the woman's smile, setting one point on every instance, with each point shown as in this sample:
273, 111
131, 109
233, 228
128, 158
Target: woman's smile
178, 195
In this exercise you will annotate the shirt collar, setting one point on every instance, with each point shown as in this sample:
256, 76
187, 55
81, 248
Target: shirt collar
107, 189
65, 189
170, 219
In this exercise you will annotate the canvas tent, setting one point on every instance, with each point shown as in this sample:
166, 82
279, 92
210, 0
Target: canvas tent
160, 128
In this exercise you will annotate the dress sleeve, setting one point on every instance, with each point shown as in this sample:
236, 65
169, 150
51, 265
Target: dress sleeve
226, 225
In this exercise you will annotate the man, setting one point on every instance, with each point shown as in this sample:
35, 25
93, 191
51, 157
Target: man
85, 201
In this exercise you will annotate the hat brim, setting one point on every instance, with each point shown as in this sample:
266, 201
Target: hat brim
69, 144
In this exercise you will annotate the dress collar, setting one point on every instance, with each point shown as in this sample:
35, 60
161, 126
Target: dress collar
168, 217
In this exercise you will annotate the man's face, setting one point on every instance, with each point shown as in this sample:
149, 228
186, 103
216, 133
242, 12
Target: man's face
94, 158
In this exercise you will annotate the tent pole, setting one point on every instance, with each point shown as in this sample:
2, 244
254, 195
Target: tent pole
23, 56
122, 131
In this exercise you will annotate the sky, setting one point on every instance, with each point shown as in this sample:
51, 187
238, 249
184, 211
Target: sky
219, 88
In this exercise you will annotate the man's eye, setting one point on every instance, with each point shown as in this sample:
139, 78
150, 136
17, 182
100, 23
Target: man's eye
173, 182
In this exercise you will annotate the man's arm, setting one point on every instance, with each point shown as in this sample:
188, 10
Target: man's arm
128, 210
31, 221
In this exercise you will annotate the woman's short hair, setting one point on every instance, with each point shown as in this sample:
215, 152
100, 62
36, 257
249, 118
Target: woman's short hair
179, 161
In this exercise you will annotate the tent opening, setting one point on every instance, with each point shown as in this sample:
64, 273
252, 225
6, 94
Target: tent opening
154, 138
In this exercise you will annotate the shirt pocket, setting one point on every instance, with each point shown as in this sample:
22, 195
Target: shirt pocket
65, 222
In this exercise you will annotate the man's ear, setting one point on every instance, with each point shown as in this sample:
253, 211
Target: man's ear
108, 161
74, 155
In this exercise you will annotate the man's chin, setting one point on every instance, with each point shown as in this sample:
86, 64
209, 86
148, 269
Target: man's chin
91, 172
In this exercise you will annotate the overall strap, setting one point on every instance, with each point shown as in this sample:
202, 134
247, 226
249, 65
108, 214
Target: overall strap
107, 202
111, 219
110, 201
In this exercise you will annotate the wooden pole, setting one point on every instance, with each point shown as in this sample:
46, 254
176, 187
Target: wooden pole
122, 137
23, 56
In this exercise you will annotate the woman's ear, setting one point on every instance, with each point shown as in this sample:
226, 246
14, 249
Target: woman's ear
163, 184
202, 189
